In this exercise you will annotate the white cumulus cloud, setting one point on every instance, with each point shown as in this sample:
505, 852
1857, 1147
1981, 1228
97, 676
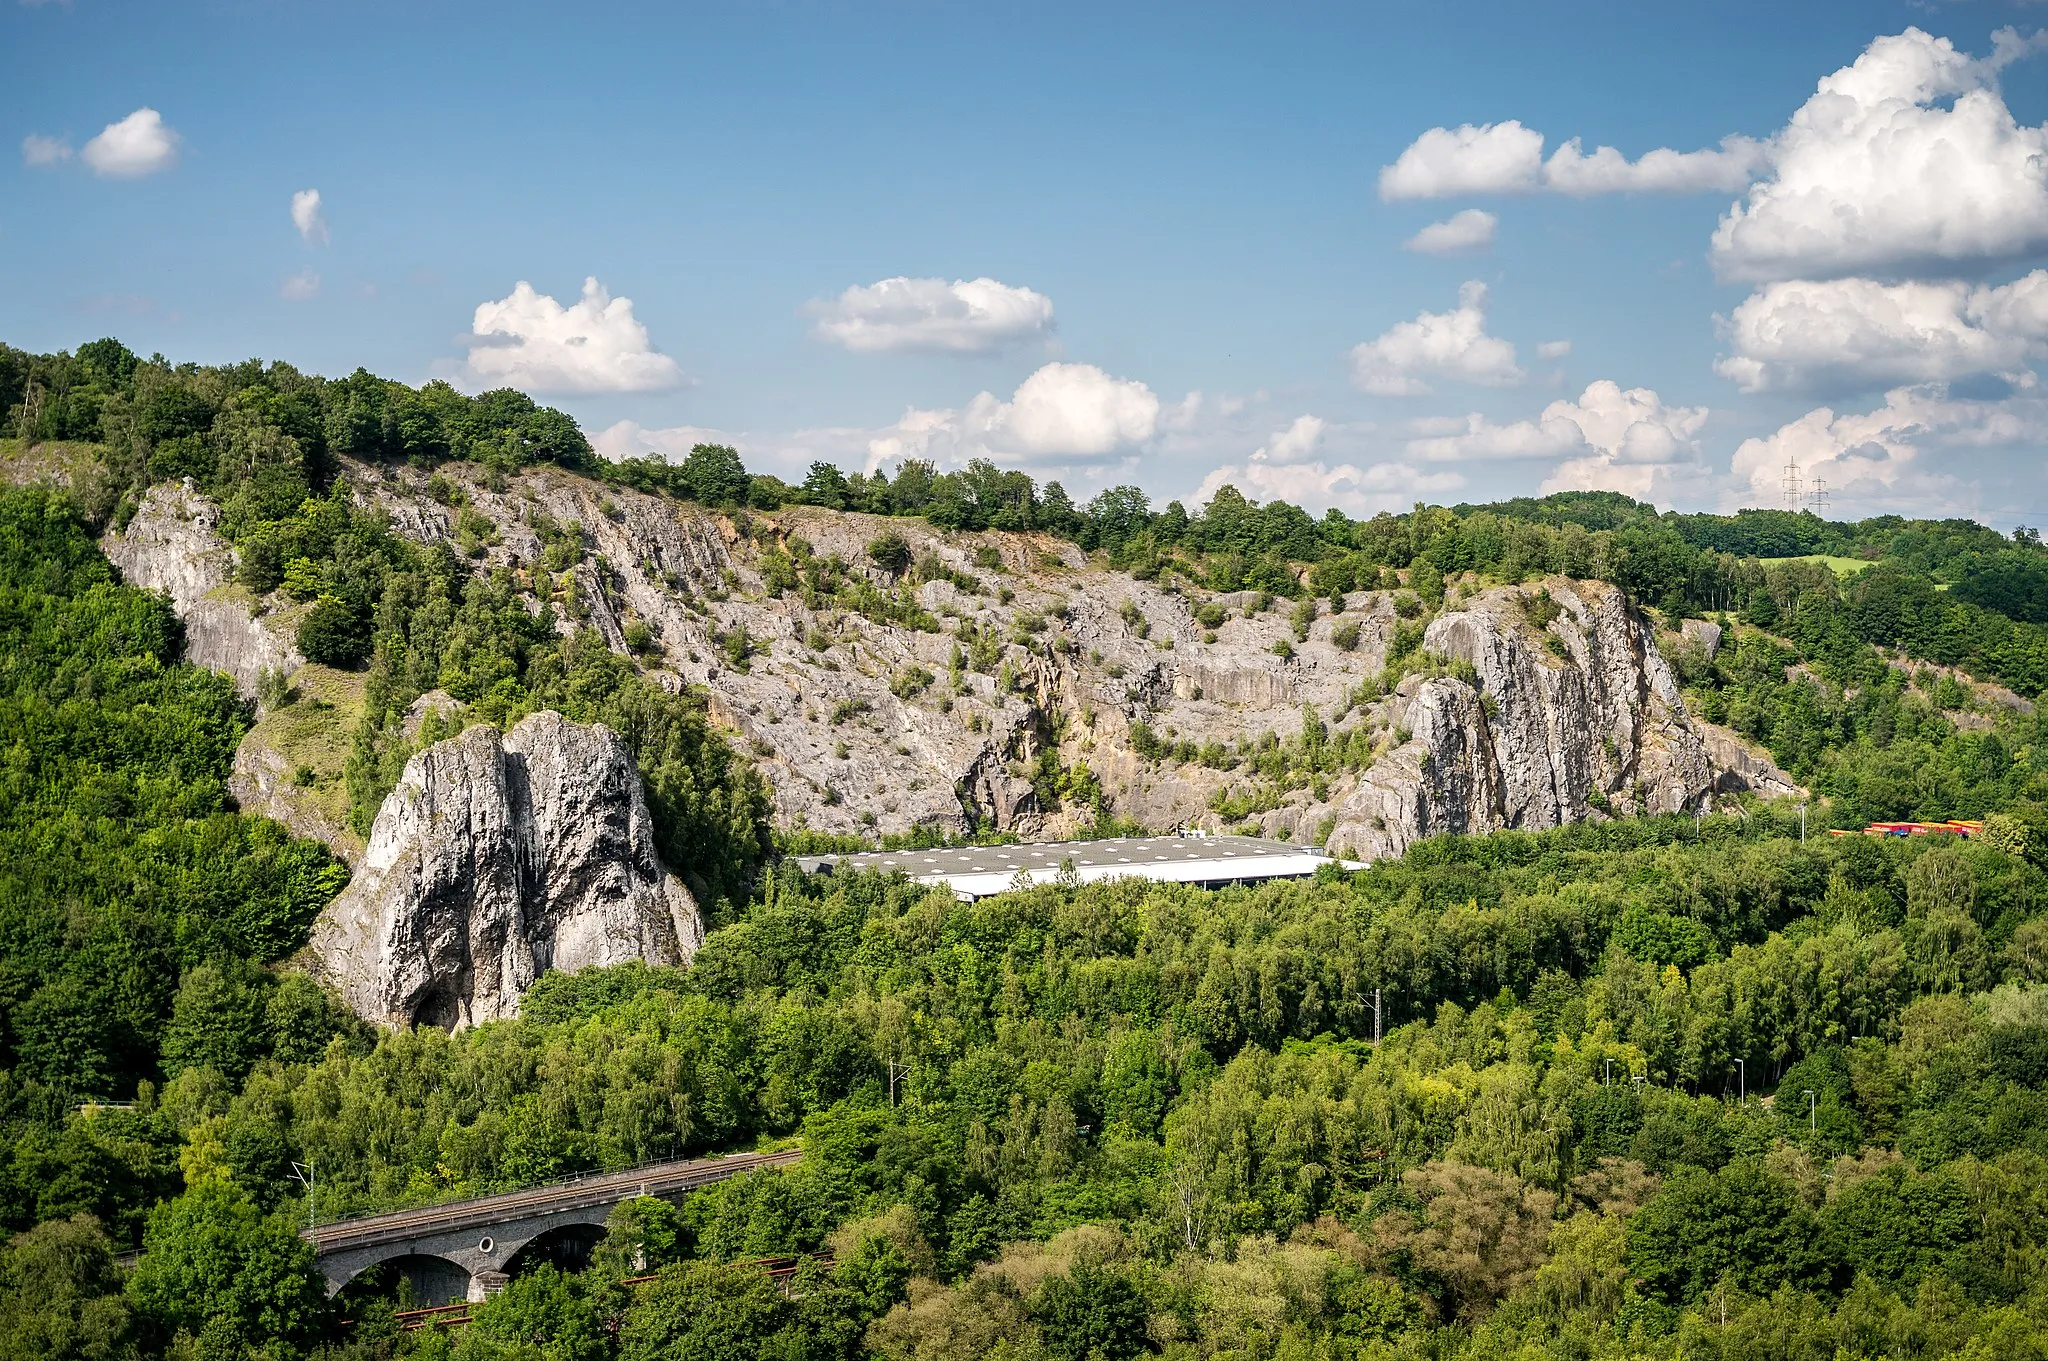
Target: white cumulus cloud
630, 439
38, 150
308, 217
1302, 437
1611, 438
1290, 466
1604, 170
1061, 412
964, 316
1859, 332
1507, 158
303, 286
1491, 158
1638, 445
1907, 161
140, 144
1459, 234
1474, 438
1072, 409
1553, 349
528, 340
1450, 344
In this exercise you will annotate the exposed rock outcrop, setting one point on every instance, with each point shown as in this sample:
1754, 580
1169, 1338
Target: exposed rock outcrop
1091, 657
173, 545
1740, 767
1704, 633
497, 857
1555, 723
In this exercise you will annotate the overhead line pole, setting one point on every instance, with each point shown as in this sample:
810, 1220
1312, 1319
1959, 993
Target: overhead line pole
304, 1172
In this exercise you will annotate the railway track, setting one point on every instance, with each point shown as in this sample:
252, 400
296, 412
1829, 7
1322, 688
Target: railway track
655, 1179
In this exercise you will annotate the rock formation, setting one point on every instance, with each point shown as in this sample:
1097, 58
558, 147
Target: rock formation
1740, 767
497, 857
172, 545
1703, 633
1581, 714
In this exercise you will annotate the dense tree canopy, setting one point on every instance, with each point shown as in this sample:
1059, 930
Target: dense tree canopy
120, 866
1087, 1115
1647, 1088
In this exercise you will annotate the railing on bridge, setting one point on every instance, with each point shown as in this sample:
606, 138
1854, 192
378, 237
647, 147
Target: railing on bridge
603, 1188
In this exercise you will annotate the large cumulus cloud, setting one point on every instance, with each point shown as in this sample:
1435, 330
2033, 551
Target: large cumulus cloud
1907, 161
594, 345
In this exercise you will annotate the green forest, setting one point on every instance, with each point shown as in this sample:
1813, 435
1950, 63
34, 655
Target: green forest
1653, 1088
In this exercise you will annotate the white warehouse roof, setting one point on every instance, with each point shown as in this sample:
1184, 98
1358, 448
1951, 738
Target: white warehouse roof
980, 871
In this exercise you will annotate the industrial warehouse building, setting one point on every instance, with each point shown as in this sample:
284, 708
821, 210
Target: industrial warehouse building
1192, 858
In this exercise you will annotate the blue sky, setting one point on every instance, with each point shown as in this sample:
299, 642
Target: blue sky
1197, 263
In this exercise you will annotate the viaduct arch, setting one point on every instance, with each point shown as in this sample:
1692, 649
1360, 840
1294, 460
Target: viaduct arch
481, 1237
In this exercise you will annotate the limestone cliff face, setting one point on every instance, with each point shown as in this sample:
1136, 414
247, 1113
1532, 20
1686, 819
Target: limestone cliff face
173, 545
1582, 714
497, 857
865, 722
1568, 717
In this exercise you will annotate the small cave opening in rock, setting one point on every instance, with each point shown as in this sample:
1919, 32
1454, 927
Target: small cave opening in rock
438, 1007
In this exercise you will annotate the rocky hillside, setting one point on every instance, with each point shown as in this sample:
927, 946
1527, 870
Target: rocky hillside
173, 546
884, 674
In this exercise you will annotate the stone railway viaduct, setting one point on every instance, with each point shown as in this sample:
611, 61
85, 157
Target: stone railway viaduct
469, 1247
